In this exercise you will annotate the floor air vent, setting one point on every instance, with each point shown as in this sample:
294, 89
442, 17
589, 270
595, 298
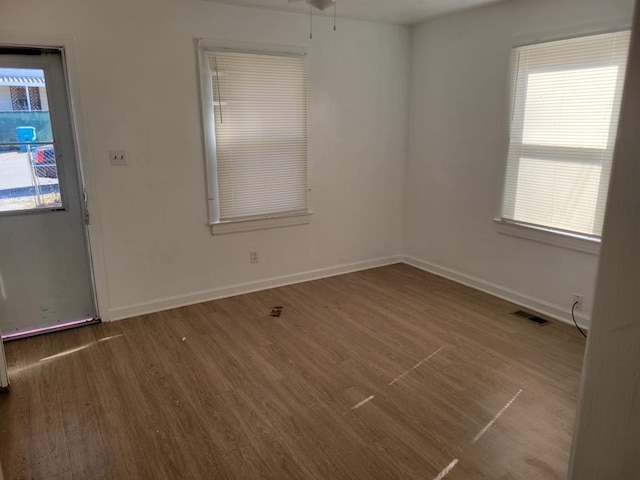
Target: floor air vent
531, 317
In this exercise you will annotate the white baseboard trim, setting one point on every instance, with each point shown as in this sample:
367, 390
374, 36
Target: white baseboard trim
177, 301
556, 312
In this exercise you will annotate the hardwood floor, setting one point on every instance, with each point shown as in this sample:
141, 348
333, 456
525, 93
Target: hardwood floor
389, 373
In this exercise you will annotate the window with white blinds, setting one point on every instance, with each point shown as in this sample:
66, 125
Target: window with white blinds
259, 104
565, 109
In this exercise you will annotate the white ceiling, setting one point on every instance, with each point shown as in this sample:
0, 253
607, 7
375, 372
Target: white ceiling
405, 12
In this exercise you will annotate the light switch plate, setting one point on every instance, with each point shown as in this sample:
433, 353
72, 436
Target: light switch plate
118, 158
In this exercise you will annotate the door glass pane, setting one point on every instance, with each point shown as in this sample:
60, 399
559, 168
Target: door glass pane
28, 168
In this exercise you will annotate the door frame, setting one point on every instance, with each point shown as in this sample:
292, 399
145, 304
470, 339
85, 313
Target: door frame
4, 376
66, 46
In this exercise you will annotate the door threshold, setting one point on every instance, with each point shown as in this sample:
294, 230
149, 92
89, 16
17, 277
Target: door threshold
54, 328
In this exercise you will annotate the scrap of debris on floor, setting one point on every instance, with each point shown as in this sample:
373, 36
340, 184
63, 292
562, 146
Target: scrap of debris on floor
276, 311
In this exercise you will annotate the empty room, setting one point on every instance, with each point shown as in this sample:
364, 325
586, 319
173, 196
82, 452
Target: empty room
319, 239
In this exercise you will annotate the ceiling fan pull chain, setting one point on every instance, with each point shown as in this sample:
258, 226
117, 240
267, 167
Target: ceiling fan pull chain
334, 15
311, 22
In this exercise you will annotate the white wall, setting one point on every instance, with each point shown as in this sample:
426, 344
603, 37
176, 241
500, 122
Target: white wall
5, 98
136, 78
458, 146
607, 429
44, 100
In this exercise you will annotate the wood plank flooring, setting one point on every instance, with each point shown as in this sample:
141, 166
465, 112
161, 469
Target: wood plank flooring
389, 373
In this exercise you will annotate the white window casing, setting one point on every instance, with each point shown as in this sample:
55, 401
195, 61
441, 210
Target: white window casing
566, 98
255, 121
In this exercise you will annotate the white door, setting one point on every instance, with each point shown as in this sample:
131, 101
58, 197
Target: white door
45, 272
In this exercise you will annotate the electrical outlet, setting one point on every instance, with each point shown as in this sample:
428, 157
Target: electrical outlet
577, 298
118, 158
253, 256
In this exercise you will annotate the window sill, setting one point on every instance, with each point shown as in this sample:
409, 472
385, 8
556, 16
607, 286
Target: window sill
237, 226
550, 237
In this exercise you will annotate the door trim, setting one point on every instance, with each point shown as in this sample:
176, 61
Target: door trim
4, 375
66, 46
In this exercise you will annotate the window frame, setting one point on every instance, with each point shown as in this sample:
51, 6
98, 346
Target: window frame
540, 233
218, 226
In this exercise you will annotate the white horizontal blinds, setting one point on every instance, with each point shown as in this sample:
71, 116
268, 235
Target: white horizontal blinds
260, 109
564, 123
